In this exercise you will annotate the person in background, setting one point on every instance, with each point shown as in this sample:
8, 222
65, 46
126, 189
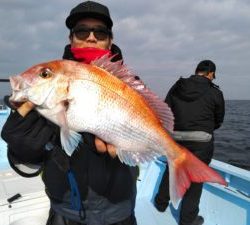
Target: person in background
198, 107
92, 186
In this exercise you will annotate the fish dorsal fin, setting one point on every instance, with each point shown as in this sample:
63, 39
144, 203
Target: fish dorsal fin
119, 70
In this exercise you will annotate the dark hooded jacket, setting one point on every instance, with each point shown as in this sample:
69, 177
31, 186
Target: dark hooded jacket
197, 105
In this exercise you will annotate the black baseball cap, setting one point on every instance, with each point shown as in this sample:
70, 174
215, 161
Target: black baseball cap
89, 9
206, 66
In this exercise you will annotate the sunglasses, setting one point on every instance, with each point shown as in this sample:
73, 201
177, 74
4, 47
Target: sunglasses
100, 33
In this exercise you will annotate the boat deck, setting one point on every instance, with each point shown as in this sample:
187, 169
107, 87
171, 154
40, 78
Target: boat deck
219, 205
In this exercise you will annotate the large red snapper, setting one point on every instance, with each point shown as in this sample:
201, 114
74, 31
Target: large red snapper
107, 100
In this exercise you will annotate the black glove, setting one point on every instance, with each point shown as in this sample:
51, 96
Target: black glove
27, 136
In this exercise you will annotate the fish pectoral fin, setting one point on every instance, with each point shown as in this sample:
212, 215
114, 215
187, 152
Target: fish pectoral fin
133, 158
70, 140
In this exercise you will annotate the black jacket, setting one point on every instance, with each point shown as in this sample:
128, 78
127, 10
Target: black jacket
28, 139
197, 105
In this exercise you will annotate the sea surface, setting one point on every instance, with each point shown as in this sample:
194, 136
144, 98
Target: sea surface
232, 140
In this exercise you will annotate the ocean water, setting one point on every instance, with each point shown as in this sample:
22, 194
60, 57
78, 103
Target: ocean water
232, 140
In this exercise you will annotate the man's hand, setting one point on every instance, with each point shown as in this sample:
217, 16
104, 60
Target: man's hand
102, 147
25, 108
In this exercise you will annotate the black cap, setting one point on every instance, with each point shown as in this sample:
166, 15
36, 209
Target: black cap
206, 66
89, 9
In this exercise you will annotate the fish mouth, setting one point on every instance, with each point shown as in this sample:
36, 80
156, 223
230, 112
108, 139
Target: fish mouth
16, 103
19, 87
12, 104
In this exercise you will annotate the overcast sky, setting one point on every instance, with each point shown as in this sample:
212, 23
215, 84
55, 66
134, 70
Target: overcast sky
161, 40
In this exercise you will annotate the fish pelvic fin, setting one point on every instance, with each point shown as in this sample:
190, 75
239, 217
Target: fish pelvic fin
121, 71
185, 169
70, 140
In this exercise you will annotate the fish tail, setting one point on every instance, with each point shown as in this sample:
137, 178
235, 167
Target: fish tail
187, 168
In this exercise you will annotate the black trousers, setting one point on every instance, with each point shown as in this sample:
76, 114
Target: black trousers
190, 202
56, 219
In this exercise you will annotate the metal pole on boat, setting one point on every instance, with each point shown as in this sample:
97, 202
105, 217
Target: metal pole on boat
4, 80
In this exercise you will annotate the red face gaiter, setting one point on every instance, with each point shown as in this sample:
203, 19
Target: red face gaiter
86, 55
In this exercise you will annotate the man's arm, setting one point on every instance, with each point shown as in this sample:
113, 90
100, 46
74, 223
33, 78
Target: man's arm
219, 110
26, 134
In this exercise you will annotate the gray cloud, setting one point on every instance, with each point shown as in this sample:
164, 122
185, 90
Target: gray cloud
161, 40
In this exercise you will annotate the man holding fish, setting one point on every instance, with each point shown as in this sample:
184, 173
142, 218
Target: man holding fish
98, 106
104, 188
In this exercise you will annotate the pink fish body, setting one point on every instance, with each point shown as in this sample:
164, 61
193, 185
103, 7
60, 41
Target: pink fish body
107, 100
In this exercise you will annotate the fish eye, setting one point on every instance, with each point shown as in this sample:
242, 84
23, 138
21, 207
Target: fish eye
45, 73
